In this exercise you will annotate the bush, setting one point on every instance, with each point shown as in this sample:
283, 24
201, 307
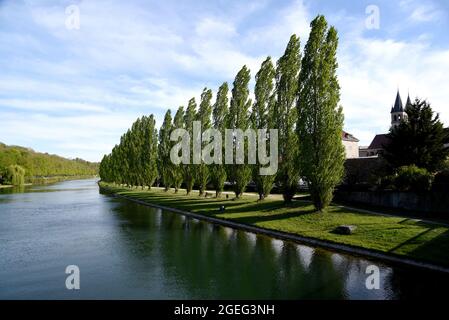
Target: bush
14, 174
387, 183
412, 178
441, 181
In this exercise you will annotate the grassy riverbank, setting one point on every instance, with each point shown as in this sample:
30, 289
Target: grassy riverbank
399, 236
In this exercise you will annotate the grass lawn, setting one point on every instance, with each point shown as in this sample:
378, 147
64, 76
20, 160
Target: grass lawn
396, 235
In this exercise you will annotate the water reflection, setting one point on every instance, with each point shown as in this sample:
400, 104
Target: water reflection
211, 261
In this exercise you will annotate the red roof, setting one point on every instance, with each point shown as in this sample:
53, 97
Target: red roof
348, 137
379, 141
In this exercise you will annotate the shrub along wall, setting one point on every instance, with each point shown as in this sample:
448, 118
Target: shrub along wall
368, 171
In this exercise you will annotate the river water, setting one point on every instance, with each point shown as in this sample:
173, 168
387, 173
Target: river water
125, 250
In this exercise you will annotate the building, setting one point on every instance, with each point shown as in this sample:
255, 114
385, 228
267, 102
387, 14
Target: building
398, 115
351, 145
397, 111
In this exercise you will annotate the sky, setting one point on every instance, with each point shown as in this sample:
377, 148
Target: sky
76, 74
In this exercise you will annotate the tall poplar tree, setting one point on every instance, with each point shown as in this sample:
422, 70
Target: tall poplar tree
219, 114
320, 121
189, 169
204, 116
262, 118
164, 164
149, 151
285, 117
238, 118
177, 169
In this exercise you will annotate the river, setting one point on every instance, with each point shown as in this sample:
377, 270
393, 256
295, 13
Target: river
124, 250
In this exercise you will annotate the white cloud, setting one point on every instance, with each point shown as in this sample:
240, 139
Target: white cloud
421, 12
371, 71
116, 68
49, 105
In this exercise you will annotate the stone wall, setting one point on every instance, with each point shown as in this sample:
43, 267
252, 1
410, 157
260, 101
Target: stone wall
427, 204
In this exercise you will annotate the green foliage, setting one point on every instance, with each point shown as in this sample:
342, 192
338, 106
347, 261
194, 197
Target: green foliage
189, 169
177, 170
441, 181
419, 140
14, 175
165, 169
320, 120
219, 114
285, 116
134, 160
38, 164
262, 118
412, 178
238, 118
204, 116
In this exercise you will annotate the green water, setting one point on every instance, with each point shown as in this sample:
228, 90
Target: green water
125, 250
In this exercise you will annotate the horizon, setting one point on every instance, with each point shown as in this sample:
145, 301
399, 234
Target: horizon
73, 92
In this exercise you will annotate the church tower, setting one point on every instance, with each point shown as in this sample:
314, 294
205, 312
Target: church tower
397, 111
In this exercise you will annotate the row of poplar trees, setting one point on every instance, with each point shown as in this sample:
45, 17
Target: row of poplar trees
299, 97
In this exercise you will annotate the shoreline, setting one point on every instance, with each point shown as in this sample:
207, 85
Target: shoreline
48, 180
344, 248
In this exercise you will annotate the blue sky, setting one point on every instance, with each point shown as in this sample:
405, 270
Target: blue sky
73, 92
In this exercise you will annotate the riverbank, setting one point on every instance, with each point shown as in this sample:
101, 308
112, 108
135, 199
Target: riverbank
395, 239
54, 179
47, 180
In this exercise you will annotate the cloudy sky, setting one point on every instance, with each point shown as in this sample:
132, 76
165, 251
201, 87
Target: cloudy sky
73, 91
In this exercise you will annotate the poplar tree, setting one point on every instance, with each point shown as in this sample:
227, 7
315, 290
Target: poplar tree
204, 116
238, 118
320, 121
285, 117
189, 169
177, 169
262, 118
165, 167
219, 114
150, 153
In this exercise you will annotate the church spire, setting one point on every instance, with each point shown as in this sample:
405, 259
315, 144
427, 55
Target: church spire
409, 101
398, 107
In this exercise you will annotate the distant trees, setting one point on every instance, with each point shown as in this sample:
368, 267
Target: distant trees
38, 164
320, 118
299, 97
13, 175
134, 160
418, 141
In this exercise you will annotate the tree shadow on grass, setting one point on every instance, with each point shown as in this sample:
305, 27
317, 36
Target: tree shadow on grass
435, 250
274, 217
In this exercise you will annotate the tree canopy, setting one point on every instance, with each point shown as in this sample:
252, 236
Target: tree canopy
420, 140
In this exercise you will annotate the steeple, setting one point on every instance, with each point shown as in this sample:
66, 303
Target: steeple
397, 104
409, 102
397, 111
